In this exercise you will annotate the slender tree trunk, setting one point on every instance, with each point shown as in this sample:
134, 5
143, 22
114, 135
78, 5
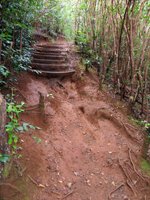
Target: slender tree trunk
120, 41
21, 31
0, 51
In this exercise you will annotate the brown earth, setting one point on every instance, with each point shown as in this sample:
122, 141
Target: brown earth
87, 149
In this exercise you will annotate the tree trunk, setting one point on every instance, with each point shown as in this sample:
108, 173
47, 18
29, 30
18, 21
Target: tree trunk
3, 139
0, 51
21, 40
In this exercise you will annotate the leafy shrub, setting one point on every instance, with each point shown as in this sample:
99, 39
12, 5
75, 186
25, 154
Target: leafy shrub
4, 74
13, 112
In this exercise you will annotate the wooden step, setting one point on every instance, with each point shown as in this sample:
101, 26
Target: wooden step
54, 46
50, 53
49, 56
49, 50
54, 73
48, 61
47, 67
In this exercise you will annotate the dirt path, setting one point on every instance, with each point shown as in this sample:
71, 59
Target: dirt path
86, 149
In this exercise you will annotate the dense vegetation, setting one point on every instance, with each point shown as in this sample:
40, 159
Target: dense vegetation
113, 36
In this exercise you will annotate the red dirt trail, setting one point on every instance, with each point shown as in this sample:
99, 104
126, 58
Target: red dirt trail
86, 148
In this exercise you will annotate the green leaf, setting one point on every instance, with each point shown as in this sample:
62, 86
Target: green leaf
10, 139
20, 129
4, 158
32, 127
25, 126
15, 139
37, 140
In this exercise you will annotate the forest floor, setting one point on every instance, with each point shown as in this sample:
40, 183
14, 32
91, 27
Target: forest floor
86, 149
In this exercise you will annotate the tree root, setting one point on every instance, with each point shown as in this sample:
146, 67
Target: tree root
124, 126
129, 179
134, 168
67, 195
33, 181
128, 132
121, 185
131, 187
11, 186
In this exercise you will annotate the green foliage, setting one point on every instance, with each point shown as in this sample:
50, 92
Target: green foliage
4, 71
4, 74
12, 128
13, 112
145, 165
21, 62
26, 126
142, 123
37, 139
4, 158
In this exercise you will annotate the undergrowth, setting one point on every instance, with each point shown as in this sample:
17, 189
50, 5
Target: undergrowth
145, 166
13, 127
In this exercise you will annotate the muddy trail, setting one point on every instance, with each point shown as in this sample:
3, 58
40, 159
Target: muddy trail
86, 148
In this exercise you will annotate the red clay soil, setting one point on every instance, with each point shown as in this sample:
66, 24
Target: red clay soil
86, 149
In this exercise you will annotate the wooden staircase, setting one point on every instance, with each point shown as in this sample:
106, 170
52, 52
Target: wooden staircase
52, 60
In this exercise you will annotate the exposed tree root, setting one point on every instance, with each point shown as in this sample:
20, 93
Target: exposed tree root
134, 168
131, 187
129, 179
11, 186
121, 185
67, 195
129, 134
32, 180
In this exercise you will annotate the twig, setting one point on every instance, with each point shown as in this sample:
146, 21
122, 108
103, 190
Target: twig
59, 152
11, 186
22, 171
67, 195
121, 185
60, 84
33, 181
18, 90
31, 108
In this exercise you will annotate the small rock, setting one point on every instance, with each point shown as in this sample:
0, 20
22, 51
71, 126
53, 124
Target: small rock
60, 181
76, 173
88, 182
69, 185
125, 198
41, 186
113, 183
